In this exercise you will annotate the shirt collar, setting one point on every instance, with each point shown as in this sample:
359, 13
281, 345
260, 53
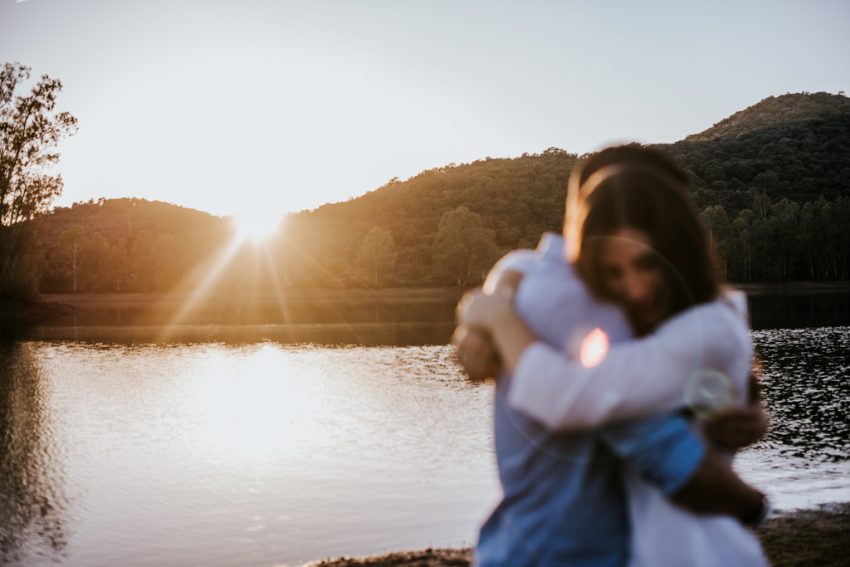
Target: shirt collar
552, 246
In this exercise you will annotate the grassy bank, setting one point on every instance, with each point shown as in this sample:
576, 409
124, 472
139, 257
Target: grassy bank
349, 295
797, 288
19, 311
361, 316
805, 537
368, 316
90, 301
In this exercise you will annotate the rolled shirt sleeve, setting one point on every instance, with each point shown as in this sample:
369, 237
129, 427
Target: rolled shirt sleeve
662, 449
634, 380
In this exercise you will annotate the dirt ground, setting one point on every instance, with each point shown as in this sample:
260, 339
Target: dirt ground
807, 537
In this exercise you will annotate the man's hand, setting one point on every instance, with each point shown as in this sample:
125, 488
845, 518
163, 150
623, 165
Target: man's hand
483, 307
736, 428
477, 312
483, 311
505, 282
475, 353
715, 489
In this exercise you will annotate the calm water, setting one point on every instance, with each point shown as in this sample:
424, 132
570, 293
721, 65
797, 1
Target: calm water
218, 454
269, 453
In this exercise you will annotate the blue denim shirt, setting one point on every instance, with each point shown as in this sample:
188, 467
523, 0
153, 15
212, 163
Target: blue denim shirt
564, 501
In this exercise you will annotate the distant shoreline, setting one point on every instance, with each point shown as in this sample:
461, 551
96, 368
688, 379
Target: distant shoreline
293, 307
31, 311
794, 287
356, 295
293, 295
803, 537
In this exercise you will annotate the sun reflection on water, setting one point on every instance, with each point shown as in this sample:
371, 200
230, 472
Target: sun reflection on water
256, 407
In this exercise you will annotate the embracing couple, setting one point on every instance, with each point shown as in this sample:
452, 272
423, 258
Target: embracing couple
623, 382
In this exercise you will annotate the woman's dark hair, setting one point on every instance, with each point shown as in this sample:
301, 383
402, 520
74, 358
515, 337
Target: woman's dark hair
631, 187
624, 154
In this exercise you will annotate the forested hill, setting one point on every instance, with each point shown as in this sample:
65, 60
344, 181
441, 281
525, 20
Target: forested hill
125, 245
794, 146
773, 182
115, 219
776, 111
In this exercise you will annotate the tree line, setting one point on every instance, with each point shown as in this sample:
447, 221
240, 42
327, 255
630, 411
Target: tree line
767, 241
771, 182
782, 241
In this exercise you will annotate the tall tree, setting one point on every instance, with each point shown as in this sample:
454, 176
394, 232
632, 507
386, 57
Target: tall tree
143, 262
94, 254
71, 242
465, 248
717, 225
29, 133
377, 255
170, 258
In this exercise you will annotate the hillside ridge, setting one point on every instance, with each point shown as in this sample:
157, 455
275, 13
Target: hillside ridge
776, 109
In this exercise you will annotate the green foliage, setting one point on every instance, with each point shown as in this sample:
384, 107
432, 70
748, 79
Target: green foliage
29, 132
70, 243
772, 184
465, 250
783, 241
24, 249
775, 111
376, 257
127, 245
795, 146
517, 199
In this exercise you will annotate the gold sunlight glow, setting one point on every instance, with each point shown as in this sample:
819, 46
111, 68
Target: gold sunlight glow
256, 225
200, 290
250, 227
594, 347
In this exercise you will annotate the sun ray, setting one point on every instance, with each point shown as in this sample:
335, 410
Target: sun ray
201, 289
276, 284
260, 253
329, 277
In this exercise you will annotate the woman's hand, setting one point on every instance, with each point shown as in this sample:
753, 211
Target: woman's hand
475, 353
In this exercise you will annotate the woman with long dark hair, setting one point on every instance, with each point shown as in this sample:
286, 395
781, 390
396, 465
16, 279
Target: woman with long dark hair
571, 370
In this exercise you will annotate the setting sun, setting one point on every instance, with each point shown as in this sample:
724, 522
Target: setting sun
256, 225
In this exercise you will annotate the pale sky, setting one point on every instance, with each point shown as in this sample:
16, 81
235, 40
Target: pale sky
251, 105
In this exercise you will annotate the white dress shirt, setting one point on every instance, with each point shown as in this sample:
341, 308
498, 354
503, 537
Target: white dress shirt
643, 377
637, 379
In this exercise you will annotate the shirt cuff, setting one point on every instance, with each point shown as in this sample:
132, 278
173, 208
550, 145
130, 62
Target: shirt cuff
683, 455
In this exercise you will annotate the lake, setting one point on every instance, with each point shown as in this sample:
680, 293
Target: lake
229, 450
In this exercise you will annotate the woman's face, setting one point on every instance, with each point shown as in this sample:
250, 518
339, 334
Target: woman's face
633, 278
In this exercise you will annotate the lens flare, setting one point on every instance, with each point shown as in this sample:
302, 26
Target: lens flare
709, 392
593, 348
